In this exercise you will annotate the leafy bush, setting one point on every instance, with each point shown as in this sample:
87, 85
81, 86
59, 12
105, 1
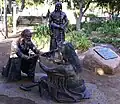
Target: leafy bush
79, 40
41, 36
109, 28
71, 27
114, 41
91, 15
10, 21
90, 26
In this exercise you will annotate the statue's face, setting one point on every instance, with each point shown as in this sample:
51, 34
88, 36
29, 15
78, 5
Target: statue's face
28, 37
58, 6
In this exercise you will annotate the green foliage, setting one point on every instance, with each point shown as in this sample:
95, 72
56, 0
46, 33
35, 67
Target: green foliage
71, 28
29, 3
114, 41
10, 21
110, 28
112, 6
41, 36
79, 40
90, 26
108, 33
37, 2
91, 15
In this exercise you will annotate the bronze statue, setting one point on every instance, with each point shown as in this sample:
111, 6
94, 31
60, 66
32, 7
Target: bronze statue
62, 82
20, 58
57, 22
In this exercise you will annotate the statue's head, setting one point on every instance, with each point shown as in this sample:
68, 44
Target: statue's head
58, 6
69, 54
26, 35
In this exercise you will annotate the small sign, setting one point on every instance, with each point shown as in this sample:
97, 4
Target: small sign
106, 53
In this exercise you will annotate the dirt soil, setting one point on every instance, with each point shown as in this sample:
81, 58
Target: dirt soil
104, 89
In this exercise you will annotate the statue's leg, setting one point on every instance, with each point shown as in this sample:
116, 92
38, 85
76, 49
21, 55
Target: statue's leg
28, 67
24, 65
53, 44
60, 37
12, 70
43, 85
5, 69
32, 65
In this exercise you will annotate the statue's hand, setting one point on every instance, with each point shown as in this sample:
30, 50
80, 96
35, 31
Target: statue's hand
34, 56
25, 57
54, 25
62, 27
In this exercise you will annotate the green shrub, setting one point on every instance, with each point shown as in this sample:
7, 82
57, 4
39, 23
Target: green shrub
114, 41
91, 15
109, 28
79, 40
90, 26
41, 36
10, 21
71, 27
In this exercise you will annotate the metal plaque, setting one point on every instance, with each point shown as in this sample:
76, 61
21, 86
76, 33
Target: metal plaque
106, 53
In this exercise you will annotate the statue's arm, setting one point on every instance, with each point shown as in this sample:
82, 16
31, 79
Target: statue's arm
20, 54
18, 51
51, 23
66, 21
34, 48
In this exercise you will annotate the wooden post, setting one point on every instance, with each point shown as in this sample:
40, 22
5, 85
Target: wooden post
72, 4
5, 19
1, 15
1, 9
14, 19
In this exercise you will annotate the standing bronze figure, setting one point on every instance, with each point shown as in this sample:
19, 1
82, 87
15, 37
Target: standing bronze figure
57, 23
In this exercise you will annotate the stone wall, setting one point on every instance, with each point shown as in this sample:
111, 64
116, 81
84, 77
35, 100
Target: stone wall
31, 20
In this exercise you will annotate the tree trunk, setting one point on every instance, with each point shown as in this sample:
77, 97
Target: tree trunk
1, 10
23, 4
72, 4
9, 5
14, 19
79, 20
5, 19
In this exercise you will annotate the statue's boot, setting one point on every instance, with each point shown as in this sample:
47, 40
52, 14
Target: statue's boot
86, 94
77, 87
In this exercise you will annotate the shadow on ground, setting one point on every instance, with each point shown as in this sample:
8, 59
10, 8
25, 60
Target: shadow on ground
14, 100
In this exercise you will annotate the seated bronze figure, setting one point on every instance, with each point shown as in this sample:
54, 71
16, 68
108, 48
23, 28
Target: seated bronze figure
62, 82
20, 58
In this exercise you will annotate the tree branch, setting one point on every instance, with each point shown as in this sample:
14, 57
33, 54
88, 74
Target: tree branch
87, 6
